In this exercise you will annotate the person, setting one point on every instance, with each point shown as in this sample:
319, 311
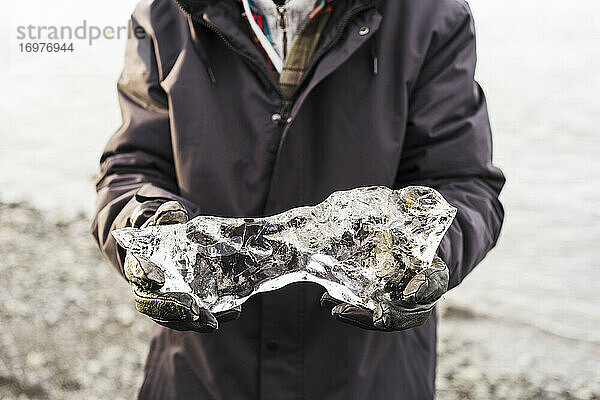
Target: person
241, 109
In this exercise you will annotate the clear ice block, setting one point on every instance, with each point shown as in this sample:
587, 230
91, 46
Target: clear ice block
357, 244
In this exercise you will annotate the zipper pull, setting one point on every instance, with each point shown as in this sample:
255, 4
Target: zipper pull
286, 108
282, 22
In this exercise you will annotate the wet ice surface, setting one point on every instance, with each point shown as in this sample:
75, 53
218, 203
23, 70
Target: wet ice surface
360, 244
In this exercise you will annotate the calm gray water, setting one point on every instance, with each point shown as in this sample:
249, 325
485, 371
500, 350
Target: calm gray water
539, 63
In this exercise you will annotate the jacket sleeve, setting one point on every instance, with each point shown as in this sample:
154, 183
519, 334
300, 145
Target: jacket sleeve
137, 163
448, 146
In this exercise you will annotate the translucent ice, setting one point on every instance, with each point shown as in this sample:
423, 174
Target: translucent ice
357, 244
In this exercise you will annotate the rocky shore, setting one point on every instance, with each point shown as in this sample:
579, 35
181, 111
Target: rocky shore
68, 329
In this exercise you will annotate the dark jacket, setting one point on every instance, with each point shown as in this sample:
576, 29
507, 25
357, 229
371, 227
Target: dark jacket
204, 123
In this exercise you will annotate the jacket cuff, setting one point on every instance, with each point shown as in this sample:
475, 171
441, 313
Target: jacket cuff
151, 193
148, 193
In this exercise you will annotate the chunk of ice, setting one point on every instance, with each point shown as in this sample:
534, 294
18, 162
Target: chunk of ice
353, 244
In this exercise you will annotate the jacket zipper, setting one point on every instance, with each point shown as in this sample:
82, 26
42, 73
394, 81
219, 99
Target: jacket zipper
286, 107
213, 28
282, 22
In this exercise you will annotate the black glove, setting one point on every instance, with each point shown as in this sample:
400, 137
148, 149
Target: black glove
174, 310
411, 304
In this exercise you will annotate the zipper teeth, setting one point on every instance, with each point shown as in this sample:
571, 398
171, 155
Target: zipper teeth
282, 22
214, 29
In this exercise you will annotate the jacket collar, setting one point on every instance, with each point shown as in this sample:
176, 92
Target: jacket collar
225, 17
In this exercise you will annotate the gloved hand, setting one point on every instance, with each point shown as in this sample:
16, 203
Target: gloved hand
411, 305
175, 310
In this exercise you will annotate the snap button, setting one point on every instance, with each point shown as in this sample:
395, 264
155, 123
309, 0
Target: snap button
276, 117
289, 120
363, 30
